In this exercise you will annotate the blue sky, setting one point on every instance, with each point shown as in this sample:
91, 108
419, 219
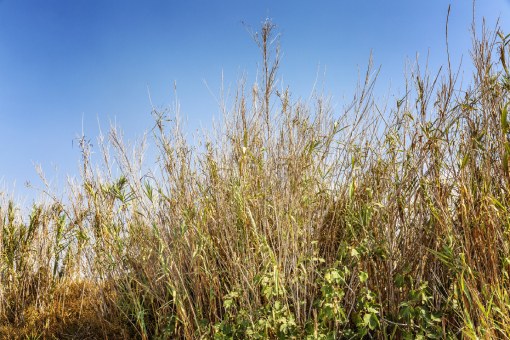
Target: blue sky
67, 65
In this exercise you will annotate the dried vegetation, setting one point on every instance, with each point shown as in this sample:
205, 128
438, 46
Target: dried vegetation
291, 221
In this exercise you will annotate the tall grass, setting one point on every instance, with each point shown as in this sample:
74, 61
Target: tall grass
288, 221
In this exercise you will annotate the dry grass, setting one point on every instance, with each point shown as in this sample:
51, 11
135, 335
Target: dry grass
288, 222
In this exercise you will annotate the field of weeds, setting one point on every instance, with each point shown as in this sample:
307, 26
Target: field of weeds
288, 221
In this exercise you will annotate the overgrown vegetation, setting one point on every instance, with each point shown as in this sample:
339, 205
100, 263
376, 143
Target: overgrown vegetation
290, 222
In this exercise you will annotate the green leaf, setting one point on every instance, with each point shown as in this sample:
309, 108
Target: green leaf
354, 253
503, 116
363, 277
351, 190
436, 317
464, 161
371, 320
405, 311
399, 281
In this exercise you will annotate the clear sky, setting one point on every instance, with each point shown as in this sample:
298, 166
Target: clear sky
67, 62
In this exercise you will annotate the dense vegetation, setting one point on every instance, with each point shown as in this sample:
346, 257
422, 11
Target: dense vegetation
289, 221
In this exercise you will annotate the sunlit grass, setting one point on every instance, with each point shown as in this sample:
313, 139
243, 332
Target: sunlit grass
288, 221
